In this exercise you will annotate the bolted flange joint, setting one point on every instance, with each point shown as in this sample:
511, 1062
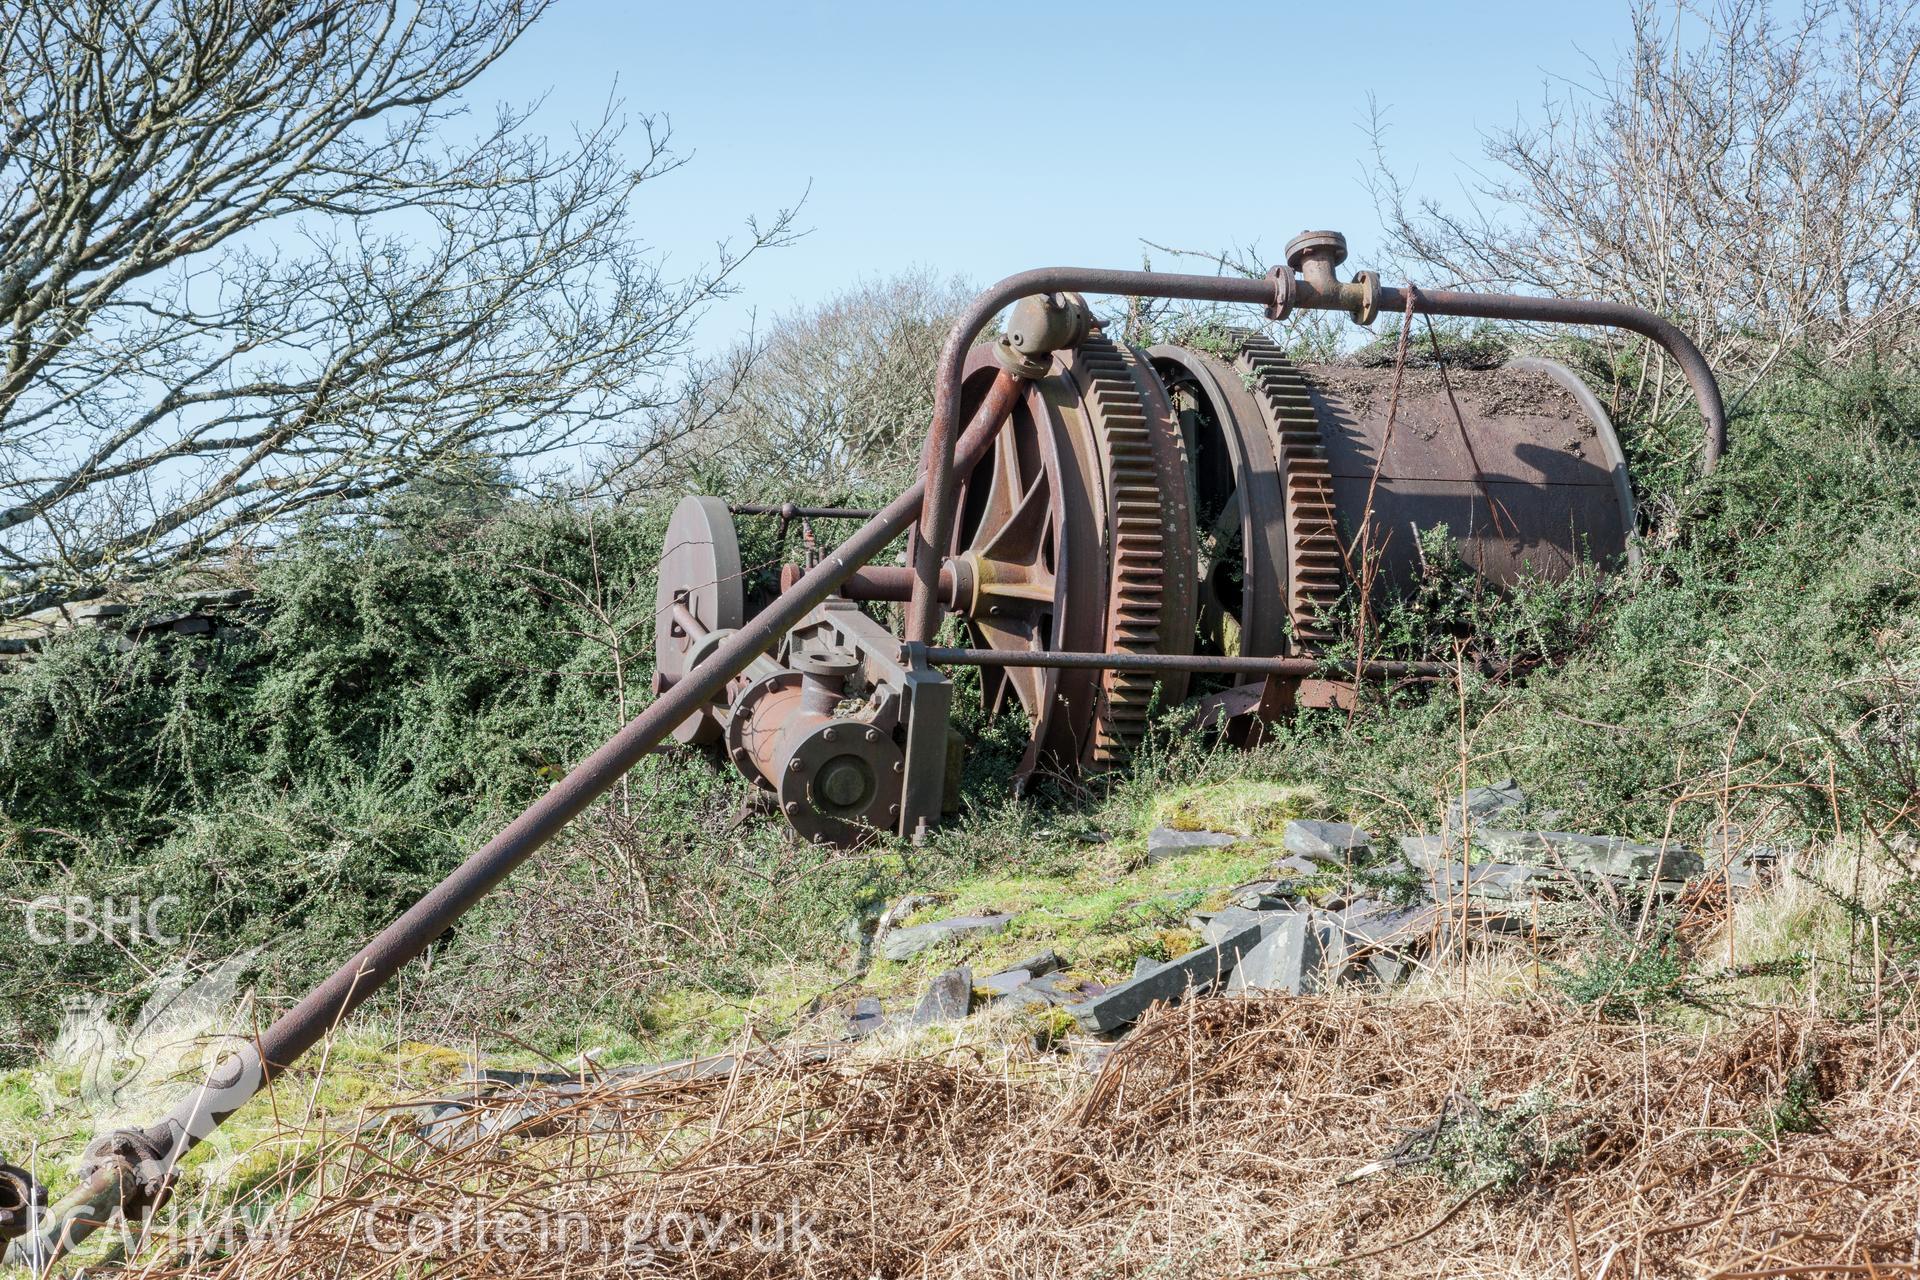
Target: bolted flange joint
1282, 305
22, 1202
144, 1160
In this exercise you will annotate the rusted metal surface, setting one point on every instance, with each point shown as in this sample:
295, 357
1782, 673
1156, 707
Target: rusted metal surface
1212, 664
886, 583
1515, 468
1149, 537
1240, 504
22, 1201
67, 1221
836, 778
1320, 291
1028, 562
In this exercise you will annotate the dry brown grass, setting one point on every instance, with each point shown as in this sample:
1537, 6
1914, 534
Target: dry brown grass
1219, 1139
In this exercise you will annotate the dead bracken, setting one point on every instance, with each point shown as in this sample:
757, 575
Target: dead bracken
1226, 1137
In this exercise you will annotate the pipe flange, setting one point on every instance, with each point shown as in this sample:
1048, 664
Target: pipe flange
143, 1159
828, 664
1369, 305
1282, 305
740, 718
842, 783
1308, 244
706, 644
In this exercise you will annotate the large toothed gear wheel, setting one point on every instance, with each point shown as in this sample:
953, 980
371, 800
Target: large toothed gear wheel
1264, 490
1150, 537
1315, 564
1239, 505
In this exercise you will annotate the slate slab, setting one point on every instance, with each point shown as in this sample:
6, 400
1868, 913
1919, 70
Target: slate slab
1196, 970
1230, 920
1383, 925
1044, 963
1337, 843
1165, 842
1286, 958
905, 944
1053, 989
1006, 982
949, 998
1424, 853
1267, 895
867, 1017
1481, 804
1595, 855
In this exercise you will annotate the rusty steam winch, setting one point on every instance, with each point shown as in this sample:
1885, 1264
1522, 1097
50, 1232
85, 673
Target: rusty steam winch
1140, 516
1105, 520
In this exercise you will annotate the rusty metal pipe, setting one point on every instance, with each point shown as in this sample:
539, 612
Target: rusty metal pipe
684, 619
303, 1026
892, 583
1175, 662
1275, 292
1608, 315
789, 511
61, 1226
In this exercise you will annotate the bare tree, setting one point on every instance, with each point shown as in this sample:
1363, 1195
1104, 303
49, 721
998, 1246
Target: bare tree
253, 258
1751, 175
830, 404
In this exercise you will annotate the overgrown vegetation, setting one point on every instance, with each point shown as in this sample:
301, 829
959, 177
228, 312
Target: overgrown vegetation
407, 683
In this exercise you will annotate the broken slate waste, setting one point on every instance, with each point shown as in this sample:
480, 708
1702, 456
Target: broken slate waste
1338, 910
1322, 920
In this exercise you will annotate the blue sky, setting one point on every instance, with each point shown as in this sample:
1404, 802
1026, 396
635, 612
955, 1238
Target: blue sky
983, 139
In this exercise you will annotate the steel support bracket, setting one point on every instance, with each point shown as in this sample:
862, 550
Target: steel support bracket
929, 706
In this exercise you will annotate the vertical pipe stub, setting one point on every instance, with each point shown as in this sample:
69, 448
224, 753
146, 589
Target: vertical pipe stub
1314, 254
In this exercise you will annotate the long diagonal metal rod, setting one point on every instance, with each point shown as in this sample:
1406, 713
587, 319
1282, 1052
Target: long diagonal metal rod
85, 1209
936, 518
302, 1026
88, 1206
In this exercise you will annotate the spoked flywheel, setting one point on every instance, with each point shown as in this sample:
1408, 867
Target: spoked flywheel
1027, 555
1075, 534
